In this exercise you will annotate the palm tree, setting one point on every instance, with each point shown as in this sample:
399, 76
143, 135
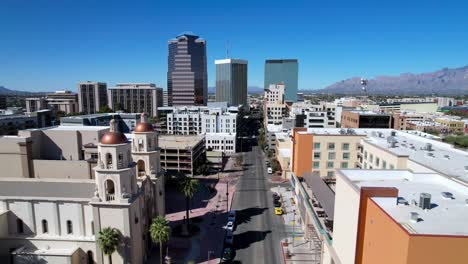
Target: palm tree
108, 240
160, 232
188, 186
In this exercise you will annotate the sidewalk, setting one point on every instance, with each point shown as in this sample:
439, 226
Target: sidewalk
212, 210
297, 249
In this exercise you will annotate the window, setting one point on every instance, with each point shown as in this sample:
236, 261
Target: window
365, 165
392, 167
45, 227
316, 164
346, 156
316, 155
344, 165
330, 164
371, 158
92, 227
316, 145
384, 164
330, 173
331, 155
69, 227
365, 154
331, 146
377, 161
345, 146
19, 226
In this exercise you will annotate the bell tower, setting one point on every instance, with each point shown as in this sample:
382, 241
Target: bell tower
145, 149
115, 174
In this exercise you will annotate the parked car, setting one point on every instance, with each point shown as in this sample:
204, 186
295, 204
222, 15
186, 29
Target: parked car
227, 255
230, 226
277, 203
229, 238
232, 216
269, 170
278, 211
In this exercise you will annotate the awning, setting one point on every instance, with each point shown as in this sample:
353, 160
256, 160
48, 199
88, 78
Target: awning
324, 195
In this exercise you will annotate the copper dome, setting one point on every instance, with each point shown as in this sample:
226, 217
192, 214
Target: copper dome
144, 127
112, 138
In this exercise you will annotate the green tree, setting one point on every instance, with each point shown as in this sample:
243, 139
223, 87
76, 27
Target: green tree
108, 240
188, 187
105, 109
160, 232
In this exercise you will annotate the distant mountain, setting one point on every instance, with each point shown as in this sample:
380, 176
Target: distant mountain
250, 89
442, 82
6, 91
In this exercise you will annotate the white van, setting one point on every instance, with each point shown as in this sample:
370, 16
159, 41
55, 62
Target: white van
269, 170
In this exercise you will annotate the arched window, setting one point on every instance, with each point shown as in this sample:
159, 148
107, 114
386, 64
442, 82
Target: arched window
45, 226
19, 226
141, 168
90, 257
69, 227
109, 160
140, 144
110, 190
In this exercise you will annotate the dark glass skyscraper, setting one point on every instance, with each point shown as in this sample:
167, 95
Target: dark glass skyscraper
187, 75
231, 81
285, 71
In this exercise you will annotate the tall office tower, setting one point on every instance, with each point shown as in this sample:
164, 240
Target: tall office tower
136, 98
231, 81
283, 71
92, 96
165, 98
187, 74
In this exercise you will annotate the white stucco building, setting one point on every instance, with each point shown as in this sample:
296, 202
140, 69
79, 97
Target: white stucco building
58, 220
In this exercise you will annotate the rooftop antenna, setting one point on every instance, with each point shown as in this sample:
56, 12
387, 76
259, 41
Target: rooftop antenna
227, 49
364, 87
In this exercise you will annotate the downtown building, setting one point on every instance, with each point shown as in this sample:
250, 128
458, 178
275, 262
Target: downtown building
60, 101
283, 71
218, 124
187, 77
92, 96
406, 191
136, 98
55, 217
231, 82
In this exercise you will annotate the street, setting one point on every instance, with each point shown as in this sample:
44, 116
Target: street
259, 231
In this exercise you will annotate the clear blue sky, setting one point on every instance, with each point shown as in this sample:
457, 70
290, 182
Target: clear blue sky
53, 44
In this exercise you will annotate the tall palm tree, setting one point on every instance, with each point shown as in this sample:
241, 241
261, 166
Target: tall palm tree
108, 240
188, 186
160, 232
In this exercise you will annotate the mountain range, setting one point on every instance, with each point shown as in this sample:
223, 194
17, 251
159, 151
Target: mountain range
442, 82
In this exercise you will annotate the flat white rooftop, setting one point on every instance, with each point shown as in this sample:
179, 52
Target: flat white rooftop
335, 131
442, 158
447, 216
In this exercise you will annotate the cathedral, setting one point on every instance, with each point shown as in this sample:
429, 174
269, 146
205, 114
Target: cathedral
57, 220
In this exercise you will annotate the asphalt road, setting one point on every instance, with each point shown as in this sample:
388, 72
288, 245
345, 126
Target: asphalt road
259, 231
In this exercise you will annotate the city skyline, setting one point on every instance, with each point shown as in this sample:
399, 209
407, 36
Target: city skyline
330, 43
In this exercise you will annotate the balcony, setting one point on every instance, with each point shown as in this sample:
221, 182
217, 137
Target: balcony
110, 197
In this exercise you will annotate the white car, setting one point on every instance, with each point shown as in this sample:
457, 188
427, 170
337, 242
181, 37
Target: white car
232, 216
229, 238
269, 170
230, 226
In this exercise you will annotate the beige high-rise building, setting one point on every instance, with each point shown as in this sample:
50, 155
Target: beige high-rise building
136, 98
92, 96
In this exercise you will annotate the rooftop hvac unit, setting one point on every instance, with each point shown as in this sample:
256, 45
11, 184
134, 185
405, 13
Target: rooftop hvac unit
414, 217
425, 201
393, 133
428, 146
447, 195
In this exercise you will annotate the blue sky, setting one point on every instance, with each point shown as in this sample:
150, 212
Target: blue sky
47, 45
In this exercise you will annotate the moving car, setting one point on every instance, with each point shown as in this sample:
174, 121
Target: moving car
278, 211
230, 226
227, 255
232, 216
229, 238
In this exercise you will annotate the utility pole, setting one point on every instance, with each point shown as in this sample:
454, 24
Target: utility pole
294, 226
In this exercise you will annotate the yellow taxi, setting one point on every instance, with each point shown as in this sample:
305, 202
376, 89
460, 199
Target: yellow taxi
278, 211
